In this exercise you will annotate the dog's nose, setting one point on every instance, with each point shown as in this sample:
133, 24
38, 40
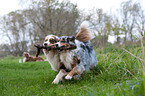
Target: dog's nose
45, 44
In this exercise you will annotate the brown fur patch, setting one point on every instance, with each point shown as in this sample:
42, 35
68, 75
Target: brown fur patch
38, 58
60, 65
83, 35
75, 61
64, 44
73, 72
31, 58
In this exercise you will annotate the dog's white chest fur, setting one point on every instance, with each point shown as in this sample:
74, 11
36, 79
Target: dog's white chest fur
67, 59
53, 59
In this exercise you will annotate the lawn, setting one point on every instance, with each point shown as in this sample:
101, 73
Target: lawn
117, 74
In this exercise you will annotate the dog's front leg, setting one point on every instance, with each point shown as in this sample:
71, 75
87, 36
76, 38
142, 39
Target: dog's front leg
75, 71
24, 59
59, 76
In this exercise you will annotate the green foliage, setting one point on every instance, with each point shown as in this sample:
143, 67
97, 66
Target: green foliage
117, 74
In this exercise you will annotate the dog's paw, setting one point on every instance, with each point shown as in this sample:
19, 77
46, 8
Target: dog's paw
55, 82
68, 77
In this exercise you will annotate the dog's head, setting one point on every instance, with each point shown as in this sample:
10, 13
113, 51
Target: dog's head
66, 43
67, 40
51, 41
26, 54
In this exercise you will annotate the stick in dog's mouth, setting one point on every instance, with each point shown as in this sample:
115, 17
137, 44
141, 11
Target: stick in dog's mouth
39, 47
54, 47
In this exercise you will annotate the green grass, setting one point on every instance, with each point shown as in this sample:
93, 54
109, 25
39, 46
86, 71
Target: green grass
117, 74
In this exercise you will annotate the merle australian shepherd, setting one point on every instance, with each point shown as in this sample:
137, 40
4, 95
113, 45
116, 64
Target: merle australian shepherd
71, 63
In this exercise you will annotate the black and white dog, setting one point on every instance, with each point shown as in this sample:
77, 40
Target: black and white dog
71, 63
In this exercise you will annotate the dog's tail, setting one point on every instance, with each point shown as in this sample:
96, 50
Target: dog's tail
85, 34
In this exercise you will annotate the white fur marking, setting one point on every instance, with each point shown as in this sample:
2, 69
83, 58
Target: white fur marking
67, 59
20, 60
59, 77
53, 59
24, 59
68, 77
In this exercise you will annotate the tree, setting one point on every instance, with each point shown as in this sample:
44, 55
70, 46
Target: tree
102, 25
140, 22
116, 29
52, 17
13, 26
129, 11
22, 27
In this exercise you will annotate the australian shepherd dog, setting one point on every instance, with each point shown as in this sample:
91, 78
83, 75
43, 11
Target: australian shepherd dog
71, 63
28, 58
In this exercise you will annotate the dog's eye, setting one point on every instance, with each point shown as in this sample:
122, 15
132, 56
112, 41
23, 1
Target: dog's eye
52, 41
71, 40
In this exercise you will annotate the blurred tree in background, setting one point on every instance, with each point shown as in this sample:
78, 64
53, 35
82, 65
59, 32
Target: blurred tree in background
20, 28
45, 17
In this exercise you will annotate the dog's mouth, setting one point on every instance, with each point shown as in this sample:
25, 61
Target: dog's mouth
60, 49
66, 47
50, 47
47, 49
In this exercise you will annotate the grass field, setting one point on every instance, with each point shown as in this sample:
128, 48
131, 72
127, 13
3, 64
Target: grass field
117, 74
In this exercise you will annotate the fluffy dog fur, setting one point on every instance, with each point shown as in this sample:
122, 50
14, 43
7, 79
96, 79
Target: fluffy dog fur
28, 58
52, 55
72, 63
